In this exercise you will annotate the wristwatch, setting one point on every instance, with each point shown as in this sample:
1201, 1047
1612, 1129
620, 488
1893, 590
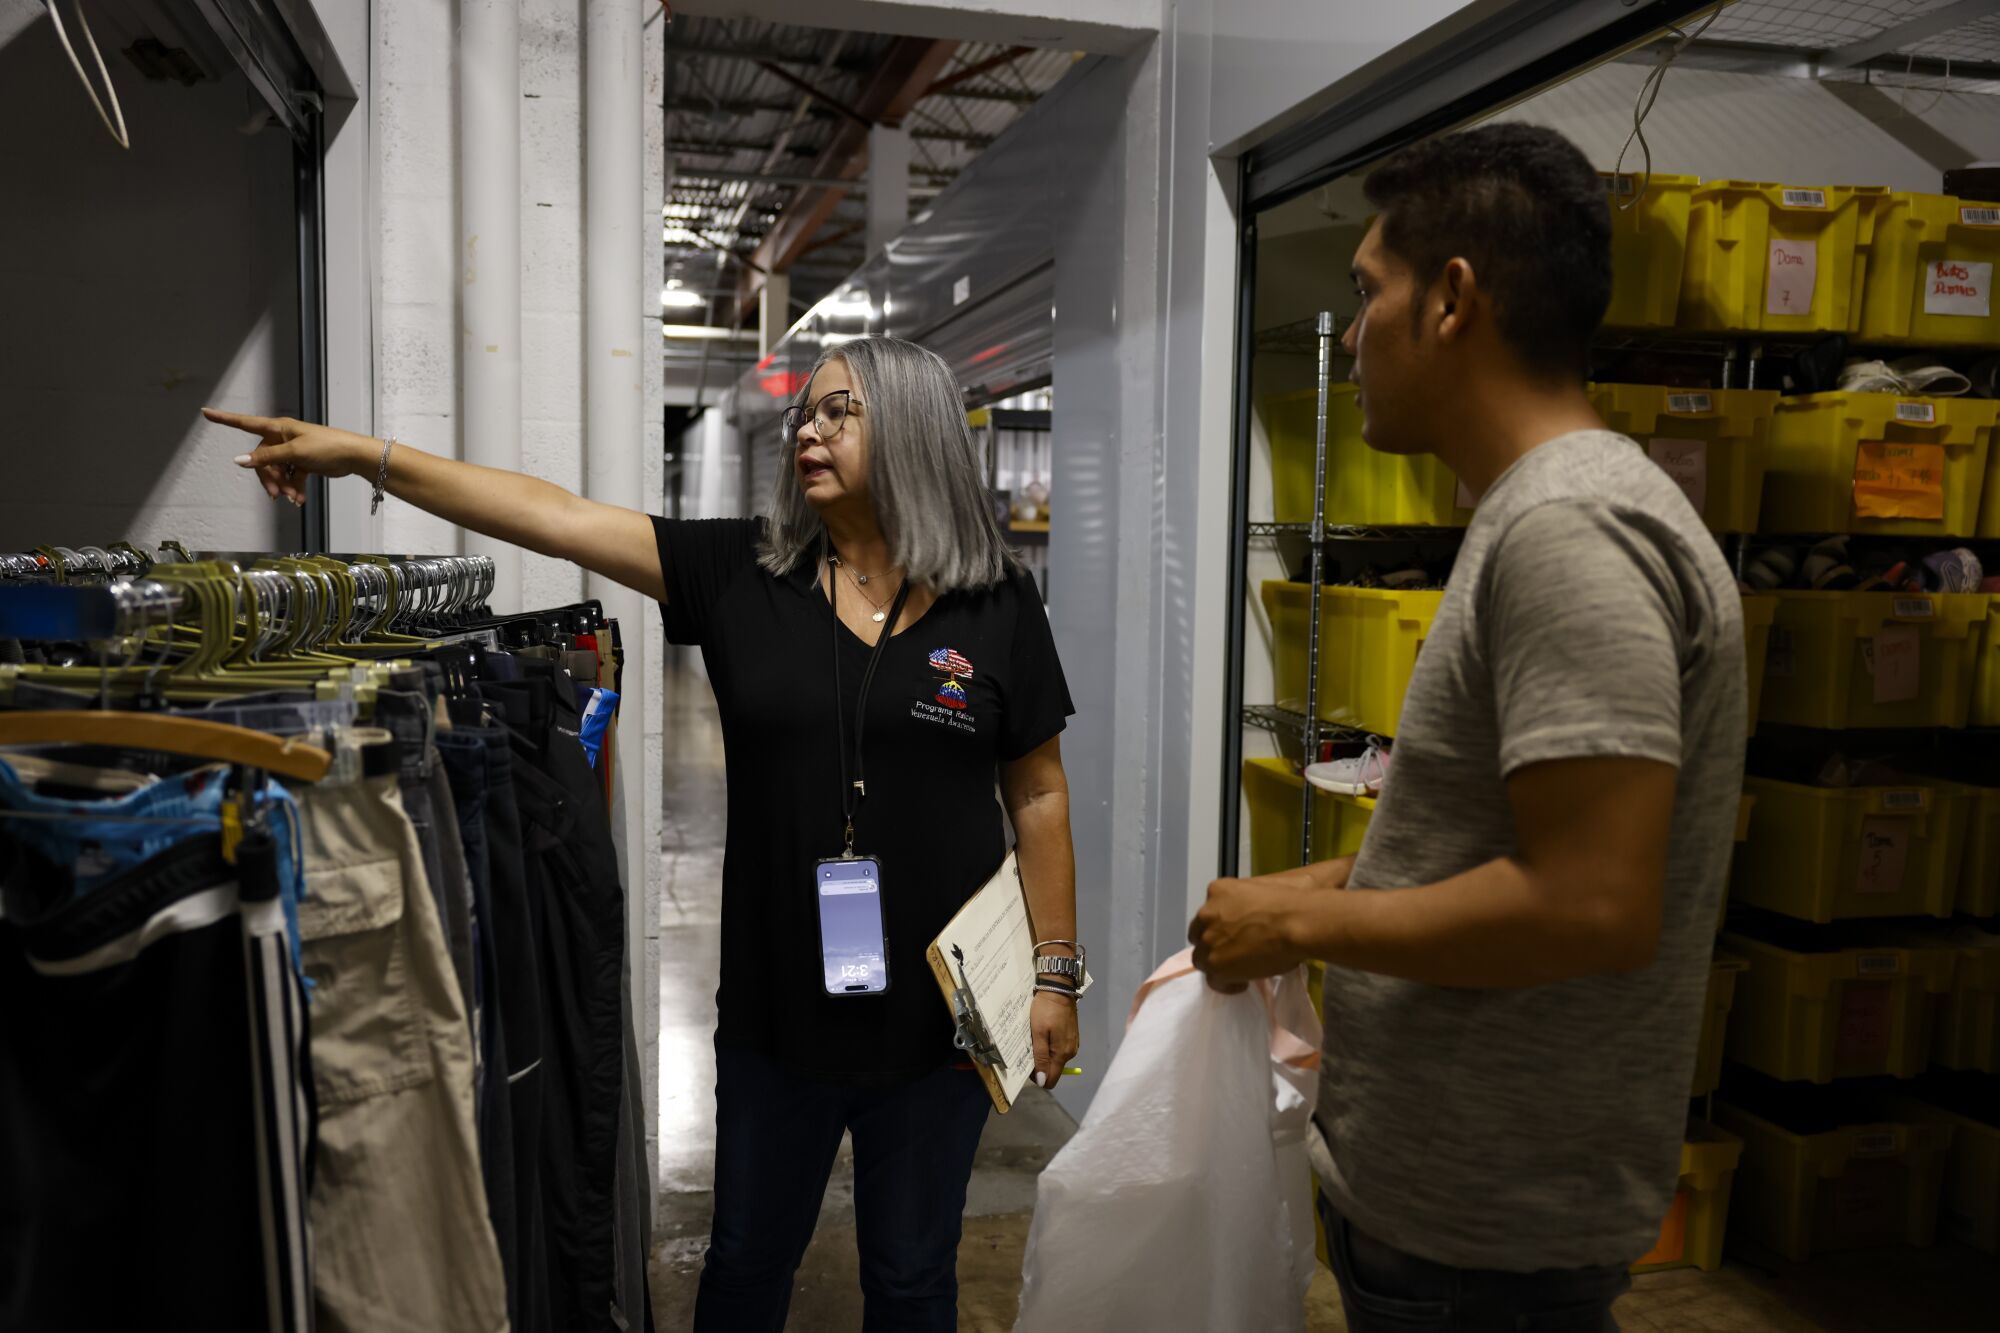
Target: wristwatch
1073, 970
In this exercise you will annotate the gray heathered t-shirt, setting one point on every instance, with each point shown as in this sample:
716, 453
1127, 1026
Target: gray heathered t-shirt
1590, 614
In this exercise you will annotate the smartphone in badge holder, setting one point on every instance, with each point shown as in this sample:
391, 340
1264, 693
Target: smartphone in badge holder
853, 947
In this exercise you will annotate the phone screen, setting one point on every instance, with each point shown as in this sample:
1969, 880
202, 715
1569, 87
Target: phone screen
850, 927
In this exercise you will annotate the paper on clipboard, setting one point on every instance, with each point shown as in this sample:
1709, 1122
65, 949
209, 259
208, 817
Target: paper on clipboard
989, 949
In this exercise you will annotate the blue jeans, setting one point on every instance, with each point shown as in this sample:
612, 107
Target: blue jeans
776, 1137
1387, 1291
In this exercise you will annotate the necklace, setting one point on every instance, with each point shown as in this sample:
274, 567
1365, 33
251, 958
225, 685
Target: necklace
881, 608
863, 579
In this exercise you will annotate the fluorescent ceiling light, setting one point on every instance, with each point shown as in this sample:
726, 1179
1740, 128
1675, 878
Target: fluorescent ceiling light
697, 332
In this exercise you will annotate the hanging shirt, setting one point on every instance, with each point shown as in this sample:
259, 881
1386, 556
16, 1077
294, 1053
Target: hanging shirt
971, 684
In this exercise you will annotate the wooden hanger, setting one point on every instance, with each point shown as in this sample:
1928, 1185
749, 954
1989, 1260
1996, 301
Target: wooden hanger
175, 735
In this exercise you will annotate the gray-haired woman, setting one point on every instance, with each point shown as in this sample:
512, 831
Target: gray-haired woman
879, 658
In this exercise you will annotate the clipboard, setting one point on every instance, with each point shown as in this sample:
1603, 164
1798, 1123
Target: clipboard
984, 962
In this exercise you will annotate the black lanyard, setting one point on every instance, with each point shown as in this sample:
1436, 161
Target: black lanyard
851, 793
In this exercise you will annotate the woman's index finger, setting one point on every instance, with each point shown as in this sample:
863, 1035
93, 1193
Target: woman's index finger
242, 421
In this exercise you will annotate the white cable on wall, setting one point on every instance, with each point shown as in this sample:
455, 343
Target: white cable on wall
114, 121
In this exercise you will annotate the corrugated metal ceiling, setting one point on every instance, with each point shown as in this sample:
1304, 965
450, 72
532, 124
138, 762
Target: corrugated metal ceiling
741, 136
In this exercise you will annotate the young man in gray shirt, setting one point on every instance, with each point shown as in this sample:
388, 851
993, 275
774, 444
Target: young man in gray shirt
1510, 1033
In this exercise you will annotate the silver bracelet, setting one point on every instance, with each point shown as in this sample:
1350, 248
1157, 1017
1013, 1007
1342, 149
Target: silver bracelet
381, 475
1050, 988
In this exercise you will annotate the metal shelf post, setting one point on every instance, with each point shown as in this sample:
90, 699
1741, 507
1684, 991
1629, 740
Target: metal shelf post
1309, 733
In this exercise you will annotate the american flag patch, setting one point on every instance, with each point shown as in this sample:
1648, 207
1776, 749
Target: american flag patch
948, 661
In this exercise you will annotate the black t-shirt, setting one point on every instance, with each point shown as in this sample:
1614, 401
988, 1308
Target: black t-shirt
970, 685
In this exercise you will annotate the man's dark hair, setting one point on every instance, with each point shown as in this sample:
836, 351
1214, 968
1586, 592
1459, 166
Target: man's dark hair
1525, 208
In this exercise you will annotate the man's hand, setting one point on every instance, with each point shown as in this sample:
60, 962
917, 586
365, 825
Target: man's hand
1248, 928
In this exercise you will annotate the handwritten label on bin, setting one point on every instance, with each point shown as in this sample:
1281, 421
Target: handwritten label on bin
1794, 271
1686, 461
1897, 480
1958, 287
1897, 664
1885, 855
1687, 404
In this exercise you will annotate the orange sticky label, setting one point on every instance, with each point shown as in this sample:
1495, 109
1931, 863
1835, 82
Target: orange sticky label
1894, 480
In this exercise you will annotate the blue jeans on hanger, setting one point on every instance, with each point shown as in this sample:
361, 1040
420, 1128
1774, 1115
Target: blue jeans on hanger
776, 1137
96, 840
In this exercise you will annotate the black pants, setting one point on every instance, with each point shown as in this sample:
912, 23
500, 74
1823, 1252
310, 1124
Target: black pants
1384, 1289
577, 907
156, 1097
464, 755
776, 1137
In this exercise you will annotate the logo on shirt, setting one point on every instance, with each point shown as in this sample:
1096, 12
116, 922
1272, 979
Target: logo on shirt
951, 664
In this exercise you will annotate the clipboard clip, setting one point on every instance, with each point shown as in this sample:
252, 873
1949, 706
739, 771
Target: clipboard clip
972, 1036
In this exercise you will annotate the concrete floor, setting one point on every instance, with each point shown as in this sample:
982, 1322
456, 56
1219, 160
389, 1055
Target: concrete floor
1948, 1289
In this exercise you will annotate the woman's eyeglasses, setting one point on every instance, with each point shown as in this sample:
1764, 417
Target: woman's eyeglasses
828, 415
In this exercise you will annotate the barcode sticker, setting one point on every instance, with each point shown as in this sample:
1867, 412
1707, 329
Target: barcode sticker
1690, 402
1906, 798
1979, 217
1914, 608
1878, 965
1805, 199
1878, 1143
1622, 185
1922, 413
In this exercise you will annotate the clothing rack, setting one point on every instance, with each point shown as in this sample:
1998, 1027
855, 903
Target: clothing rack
39, 600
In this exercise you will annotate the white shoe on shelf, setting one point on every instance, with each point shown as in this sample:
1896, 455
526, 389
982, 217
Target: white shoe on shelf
1361, 775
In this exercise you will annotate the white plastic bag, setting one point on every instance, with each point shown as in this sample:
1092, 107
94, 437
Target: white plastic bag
1184, 1201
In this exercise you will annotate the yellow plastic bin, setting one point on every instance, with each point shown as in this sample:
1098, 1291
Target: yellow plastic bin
1836, 853
1722, 974
1968, 1018
1692, 1234
1760, 611
1971, 1203
1811, 1010
1275, 794
1843, 1187
1649, 231
1821, 669
1979, 880
1878, 463
1363, 488
1930, 273
1769, 258
1986, 678
1715, 443
1368, 644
